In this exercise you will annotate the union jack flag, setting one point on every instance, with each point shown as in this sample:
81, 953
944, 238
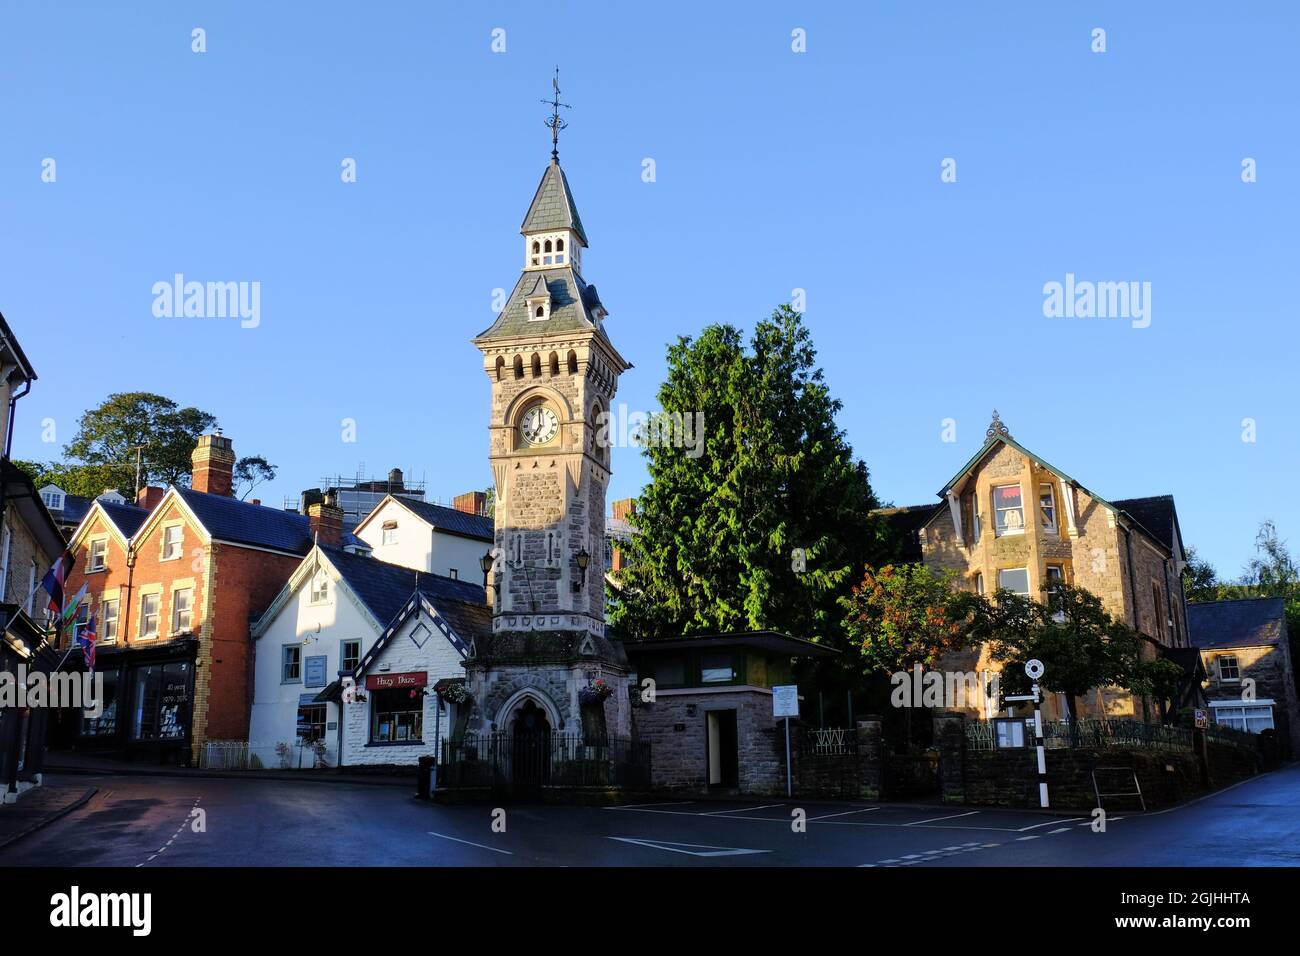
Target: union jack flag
87, 639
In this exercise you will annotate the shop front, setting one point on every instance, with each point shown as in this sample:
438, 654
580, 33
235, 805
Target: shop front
148, 703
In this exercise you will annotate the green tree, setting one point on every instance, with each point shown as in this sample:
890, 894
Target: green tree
1081, 646
109, 434
88, 481
249, 473
1200, 580
766, 523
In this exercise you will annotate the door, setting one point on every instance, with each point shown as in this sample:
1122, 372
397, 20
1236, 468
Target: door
530, 749
721, 750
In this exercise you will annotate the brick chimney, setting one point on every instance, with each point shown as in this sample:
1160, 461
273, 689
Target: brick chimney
148, 498
620, 510
326, 520
623, 507
213, 465
471, 502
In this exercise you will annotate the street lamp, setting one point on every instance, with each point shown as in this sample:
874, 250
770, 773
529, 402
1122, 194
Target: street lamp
583, 559
486, 563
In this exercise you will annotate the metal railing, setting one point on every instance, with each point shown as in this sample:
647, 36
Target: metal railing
1089, 733
528, 762
830, 742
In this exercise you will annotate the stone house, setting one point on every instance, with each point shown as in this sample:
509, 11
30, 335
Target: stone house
1008, 519
1250, 677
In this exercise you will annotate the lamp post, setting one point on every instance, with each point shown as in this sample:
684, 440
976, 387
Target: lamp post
583, 559
486, 563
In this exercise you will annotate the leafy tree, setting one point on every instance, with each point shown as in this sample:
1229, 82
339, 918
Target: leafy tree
1082, 647
251, 472
906, 615
109, 434
1200, 580
88, 481
766, 523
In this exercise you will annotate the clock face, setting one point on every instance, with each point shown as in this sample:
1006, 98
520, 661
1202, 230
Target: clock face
539, 425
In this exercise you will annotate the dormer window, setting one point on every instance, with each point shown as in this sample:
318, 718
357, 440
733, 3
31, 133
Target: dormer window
539, 308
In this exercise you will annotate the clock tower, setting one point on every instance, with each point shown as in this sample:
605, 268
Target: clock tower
553, 373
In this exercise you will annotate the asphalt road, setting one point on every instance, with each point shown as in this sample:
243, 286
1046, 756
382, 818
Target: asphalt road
171, 821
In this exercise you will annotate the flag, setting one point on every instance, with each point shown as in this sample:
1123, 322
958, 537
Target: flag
70, 609
55, 578
87, 639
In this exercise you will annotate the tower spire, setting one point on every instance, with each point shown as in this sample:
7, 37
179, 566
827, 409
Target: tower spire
553, 121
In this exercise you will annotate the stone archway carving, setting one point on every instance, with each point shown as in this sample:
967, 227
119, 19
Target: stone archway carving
505, 713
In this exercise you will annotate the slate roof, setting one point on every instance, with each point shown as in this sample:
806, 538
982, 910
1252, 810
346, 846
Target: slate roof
452, 521
385, 588
573, 305
127, 518
552, 206
243, 522
1156, 514
1249, 622
74, 509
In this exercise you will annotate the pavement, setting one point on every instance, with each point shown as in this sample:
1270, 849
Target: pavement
221, 821
92, 765
38, 808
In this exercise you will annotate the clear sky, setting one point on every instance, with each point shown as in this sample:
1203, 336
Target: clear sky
774, 171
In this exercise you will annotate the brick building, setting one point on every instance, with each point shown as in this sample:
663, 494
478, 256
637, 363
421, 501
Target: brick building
176, 582
1250, 677
1008, 519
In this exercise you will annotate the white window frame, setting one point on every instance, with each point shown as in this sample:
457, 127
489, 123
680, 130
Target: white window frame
157, 616
1226, 708
1024, 593
1009, 530
53, 500
177, 628
107, 623
284, 663
388, 535
164, 554
319, 589
1052, 527
97, 558
1236, 666
343, 654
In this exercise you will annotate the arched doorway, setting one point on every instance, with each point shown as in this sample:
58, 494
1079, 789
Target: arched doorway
530, 734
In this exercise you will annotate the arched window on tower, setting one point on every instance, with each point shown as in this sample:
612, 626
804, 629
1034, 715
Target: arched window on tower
537, 365
519, 366
539, 312
573, 363
555, 364
501, 366
536, 257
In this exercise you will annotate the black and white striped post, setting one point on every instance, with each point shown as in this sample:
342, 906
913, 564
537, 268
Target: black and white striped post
1034, 670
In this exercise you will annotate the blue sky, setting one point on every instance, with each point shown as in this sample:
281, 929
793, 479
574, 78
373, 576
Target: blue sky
775, 170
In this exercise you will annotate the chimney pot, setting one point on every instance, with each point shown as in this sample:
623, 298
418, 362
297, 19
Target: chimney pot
326, 521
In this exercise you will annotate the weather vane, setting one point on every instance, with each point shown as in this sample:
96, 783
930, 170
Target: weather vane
553, 121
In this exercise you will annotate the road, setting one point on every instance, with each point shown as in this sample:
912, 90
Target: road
191, 821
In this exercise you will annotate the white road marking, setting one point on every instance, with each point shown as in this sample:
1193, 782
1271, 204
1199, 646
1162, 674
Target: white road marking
1048, 824
634, 806
673, 847
718, 813
1032, 836
1061, 830
827, 816
481, 846
953, 816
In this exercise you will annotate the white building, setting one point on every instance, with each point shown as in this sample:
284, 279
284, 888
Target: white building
390, 632
428, 537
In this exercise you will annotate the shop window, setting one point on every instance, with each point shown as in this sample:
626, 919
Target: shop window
105, 725
1251, 718
397, 715
350, 655
291, 664
311, 723
1015, 580
162, 697
1008, 510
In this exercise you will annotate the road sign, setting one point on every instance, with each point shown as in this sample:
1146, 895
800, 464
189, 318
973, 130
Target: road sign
785, 701
1201, 721
1034, 669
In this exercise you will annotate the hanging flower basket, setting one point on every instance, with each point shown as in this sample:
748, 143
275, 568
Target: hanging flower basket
453, 691
596, 692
